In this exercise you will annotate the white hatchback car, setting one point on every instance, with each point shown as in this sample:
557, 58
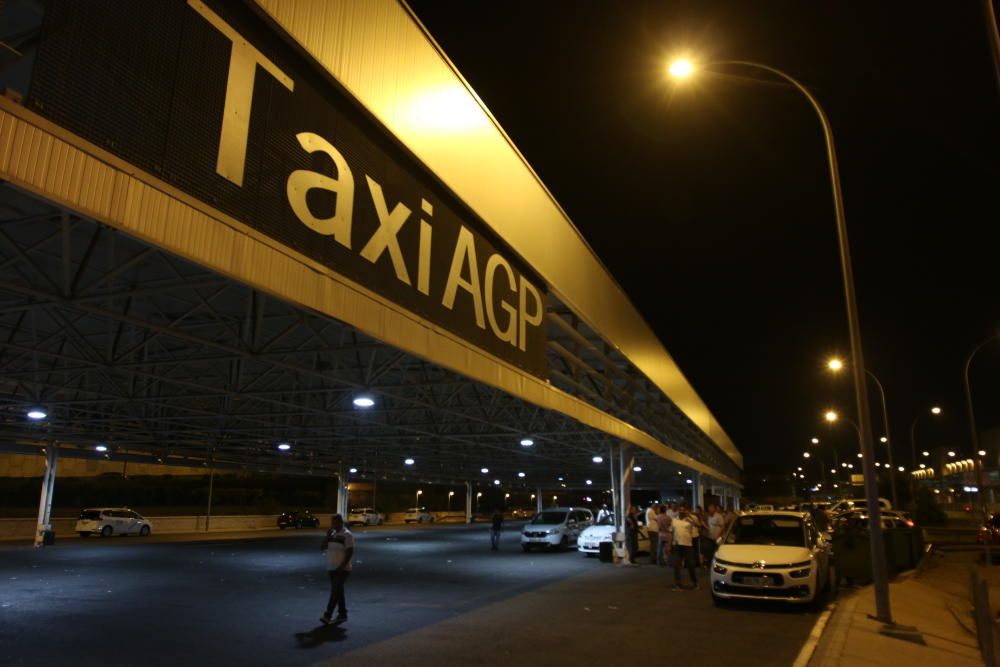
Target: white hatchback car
108, 521
589, 542
773, 556
366, 516
555, 528
418, 515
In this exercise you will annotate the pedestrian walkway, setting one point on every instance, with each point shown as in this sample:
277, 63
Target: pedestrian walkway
936, 603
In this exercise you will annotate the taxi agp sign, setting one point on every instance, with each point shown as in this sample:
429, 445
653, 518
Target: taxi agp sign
211, 98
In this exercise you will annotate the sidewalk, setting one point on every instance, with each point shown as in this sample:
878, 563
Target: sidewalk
936, 603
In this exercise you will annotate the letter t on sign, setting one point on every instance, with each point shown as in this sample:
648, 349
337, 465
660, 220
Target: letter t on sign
243, 62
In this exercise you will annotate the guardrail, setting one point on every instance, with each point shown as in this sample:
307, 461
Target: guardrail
983, 614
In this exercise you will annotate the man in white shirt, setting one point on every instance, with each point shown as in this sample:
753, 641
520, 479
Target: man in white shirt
338, 545
683, 553
716, 527
652, 530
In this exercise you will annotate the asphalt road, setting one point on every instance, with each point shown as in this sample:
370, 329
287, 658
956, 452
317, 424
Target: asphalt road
126, 601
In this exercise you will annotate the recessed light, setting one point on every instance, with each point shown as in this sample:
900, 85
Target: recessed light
409, 462
37, 413
363, 401
527, 442
598, 459
284, 446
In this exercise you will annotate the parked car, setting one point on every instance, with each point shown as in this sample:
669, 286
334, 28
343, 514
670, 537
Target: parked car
418, 515
108, 521
989, 532
297, 519
849, 504
859, 519
589, 541
772, 556
556, 527
366, 516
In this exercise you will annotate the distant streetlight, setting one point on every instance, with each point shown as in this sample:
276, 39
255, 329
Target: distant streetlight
419, 493
805, 455
831, 416
815, 441
450, 494
680, 69
835, 364
935, 411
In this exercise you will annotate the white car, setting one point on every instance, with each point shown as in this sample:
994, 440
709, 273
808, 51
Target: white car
772, 556
589, 541
849, 504
366, 516
555, 528
418, 515
108, 521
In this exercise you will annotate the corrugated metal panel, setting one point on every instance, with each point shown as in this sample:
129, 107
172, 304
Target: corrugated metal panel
380, 53
41, 158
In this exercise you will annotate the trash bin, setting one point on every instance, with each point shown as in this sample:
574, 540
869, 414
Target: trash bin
607, 552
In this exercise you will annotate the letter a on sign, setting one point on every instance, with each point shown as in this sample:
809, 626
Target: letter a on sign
301, 181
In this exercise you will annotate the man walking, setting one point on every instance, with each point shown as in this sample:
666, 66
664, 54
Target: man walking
684, 538
339, 548
495, 530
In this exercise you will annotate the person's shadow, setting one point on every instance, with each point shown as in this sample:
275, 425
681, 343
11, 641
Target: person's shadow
320, 635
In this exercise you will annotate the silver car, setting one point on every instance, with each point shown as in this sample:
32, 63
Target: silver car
108, 521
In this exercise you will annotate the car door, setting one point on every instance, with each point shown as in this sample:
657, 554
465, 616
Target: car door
130, 522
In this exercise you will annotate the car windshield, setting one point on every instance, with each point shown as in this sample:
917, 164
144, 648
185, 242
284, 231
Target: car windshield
771, 530
90, 514
548, 517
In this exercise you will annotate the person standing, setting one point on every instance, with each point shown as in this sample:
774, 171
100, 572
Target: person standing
716, 528
652, 530
632, 535
665, 533
339, 548
672, 511
495, 530
683, 552
603, 513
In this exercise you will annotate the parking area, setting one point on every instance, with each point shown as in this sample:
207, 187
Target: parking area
418, 594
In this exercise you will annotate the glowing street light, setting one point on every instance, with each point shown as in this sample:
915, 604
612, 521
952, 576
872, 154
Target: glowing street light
806, 455
419, 493
935, 410
680, 69
815, 441
835, 364
831, 416
450, 494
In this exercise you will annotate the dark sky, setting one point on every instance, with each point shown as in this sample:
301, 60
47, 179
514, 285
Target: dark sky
710, 203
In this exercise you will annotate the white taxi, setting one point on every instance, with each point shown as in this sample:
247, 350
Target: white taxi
108, 521
773, 556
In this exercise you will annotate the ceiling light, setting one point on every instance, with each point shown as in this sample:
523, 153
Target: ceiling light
352, 470
409, 462
496, 482
951, 453
982, 452
689, 481
589, 482
527, 442
101, 448
37, 413
284, 446
883, 439
598, 459
926, 453
636, 468
485, 471
363, 401
520, 474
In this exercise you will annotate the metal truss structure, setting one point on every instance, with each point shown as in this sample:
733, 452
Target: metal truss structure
157, 359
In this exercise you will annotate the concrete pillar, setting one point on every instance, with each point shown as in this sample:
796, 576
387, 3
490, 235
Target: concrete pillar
45, 497
697, 490
538, 499
468, 502
342, 494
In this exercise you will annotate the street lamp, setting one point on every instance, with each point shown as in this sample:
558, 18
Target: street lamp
880, 575
478, 496
450, 494
836, 365
935, 411
419, 493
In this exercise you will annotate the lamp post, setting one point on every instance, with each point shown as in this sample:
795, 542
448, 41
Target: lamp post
973, 432
419, 493
880, 575
836, 365
913, 432
450, 494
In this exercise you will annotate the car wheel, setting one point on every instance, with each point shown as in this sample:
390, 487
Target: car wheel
106, 531
84, 534
144, 531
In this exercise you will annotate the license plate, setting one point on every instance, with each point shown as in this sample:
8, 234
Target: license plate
756, 581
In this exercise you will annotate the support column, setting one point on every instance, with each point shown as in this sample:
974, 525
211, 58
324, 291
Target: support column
45, 497
341, 493
614, 490
625, 462
697, 491
538, 499
468, 502
208, 508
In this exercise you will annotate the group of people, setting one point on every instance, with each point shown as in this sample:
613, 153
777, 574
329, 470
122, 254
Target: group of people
678, 536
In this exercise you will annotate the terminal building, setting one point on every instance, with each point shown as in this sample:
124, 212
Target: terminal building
287, 236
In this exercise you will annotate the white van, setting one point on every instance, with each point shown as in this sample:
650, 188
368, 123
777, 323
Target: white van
849, 504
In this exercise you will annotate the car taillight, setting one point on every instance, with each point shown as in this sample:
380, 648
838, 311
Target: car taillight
909, 523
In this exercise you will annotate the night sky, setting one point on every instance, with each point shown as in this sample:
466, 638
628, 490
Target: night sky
710, 202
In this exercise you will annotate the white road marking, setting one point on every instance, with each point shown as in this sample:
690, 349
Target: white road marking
805, 655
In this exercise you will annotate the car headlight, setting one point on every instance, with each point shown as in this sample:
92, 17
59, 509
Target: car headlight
554, 531
718, 569
799, 574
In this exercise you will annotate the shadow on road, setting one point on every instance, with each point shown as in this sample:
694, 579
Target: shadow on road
320, 635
